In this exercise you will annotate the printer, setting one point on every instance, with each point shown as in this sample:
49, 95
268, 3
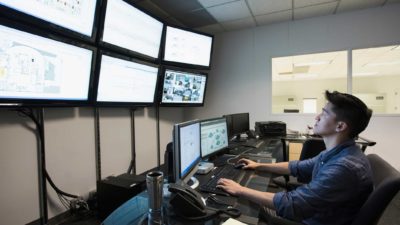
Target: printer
270, 128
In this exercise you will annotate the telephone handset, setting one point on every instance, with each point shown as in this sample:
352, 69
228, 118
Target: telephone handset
189, 204
186, 201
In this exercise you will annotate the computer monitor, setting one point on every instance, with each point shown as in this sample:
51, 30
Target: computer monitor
183, 88
123, 81
62, 16
186, 150
237, 124
187, 48
35, 70
214, 136
130, 30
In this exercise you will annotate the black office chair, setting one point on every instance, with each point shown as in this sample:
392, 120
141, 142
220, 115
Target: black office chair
311, 148
386, 185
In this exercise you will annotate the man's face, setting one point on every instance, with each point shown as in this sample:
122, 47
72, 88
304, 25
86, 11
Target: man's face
325, 122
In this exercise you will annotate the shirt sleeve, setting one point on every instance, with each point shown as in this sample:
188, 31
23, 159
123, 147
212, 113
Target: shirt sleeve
324, 193
302, 169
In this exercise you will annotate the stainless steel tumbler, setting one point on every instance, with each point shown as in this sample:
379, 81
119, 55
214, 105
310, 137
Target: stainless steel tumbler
154, 183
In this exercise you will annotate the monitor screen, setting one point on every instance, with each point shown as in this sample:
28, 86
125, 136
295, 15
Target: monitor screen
186, 149
182, 46
77, 16
237, 123
183, 88
131, 29
36, 68
214, 136
125, 81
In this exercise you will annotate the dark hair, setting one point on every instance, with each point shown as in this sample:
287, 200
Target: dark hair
351, 110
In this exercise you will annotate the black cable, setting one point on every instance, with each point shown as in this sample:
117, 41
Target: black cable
56, 188
29, 113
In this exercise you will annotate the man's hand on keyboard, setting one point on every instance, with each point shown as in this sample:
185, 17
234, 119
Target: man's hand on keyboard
249, 163
230, 186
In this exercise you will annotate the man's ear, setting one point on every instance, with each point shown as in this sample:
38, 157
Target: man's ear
341, 126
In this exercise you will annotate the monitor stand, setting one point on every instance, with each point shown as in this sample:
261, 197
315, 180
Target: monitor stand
193, 183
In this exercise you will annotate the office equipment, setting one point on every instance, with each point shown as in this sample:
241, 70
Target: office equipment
271, 128
237, 124
205, 167
214, 136
227, 171
123, 81
114, 191
41, 71
73, 18
182, 87
141, 36
187, 48
186, 151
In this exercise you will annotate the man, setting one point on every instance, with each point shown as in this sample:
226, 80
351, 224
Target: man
341, 177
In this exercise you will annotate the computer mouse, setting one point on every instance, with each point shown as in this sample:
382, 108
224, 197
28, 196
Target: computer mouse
239, 165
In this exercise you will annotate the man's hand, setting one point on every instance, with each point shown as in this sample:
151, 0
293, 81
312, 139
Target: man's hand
249, 163
230, 186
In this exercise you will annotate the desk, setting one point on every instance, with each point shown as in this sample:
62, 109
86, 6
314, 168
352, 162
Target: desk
135, 210
297, 138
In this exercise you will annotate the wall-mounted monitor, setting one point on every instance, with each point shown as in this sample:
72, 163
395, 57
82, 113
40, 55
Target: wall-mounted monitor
186, 150
130, 30
123, 81
70, 17
35, 70
187, 48
183, 88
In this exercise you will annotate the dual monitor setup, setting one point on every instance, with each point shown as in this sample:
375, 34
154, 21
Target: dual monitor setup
198, 140
100, 53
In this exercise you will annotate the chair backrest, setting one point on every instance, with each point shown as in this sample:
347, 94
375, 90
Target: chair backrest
311, 148
386, 185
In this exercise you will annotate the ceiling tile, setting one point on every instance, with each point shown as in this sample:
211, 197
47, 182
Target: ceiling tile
176, 7
346, 5
196, 18
304, 3
393, 1
315, 10
274, 17
230, 11
209, 3
259, 7
239, 24
211, 29
154, 9
173, 21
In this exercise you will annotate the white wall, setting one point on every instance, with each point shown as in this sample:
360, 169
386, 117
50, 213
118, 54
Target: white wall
240, 79
70, 153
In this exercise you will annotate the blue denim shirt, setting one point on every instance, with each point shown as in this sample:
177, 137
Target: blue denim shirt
340, 182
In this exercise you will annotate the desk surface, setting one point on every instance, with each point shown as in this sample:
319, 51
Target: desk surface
250, 211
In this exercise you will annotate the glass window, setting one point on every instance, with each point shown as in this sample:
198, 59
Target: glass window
376, 78
295, 78
310, 105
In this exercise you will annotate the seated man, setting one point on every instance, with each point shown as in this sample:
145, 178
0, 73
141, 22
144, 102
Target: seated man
341, 177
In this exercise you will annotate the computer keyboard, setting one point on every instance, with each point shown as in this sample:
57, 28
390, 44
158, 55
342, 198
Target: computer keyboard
228, 171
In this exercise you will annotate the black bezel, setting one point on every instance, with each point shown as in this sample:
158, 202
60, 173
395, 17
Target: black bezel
181, 64
23, 102
161, 86
121, 104
22, 17
194, 164
123, 50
